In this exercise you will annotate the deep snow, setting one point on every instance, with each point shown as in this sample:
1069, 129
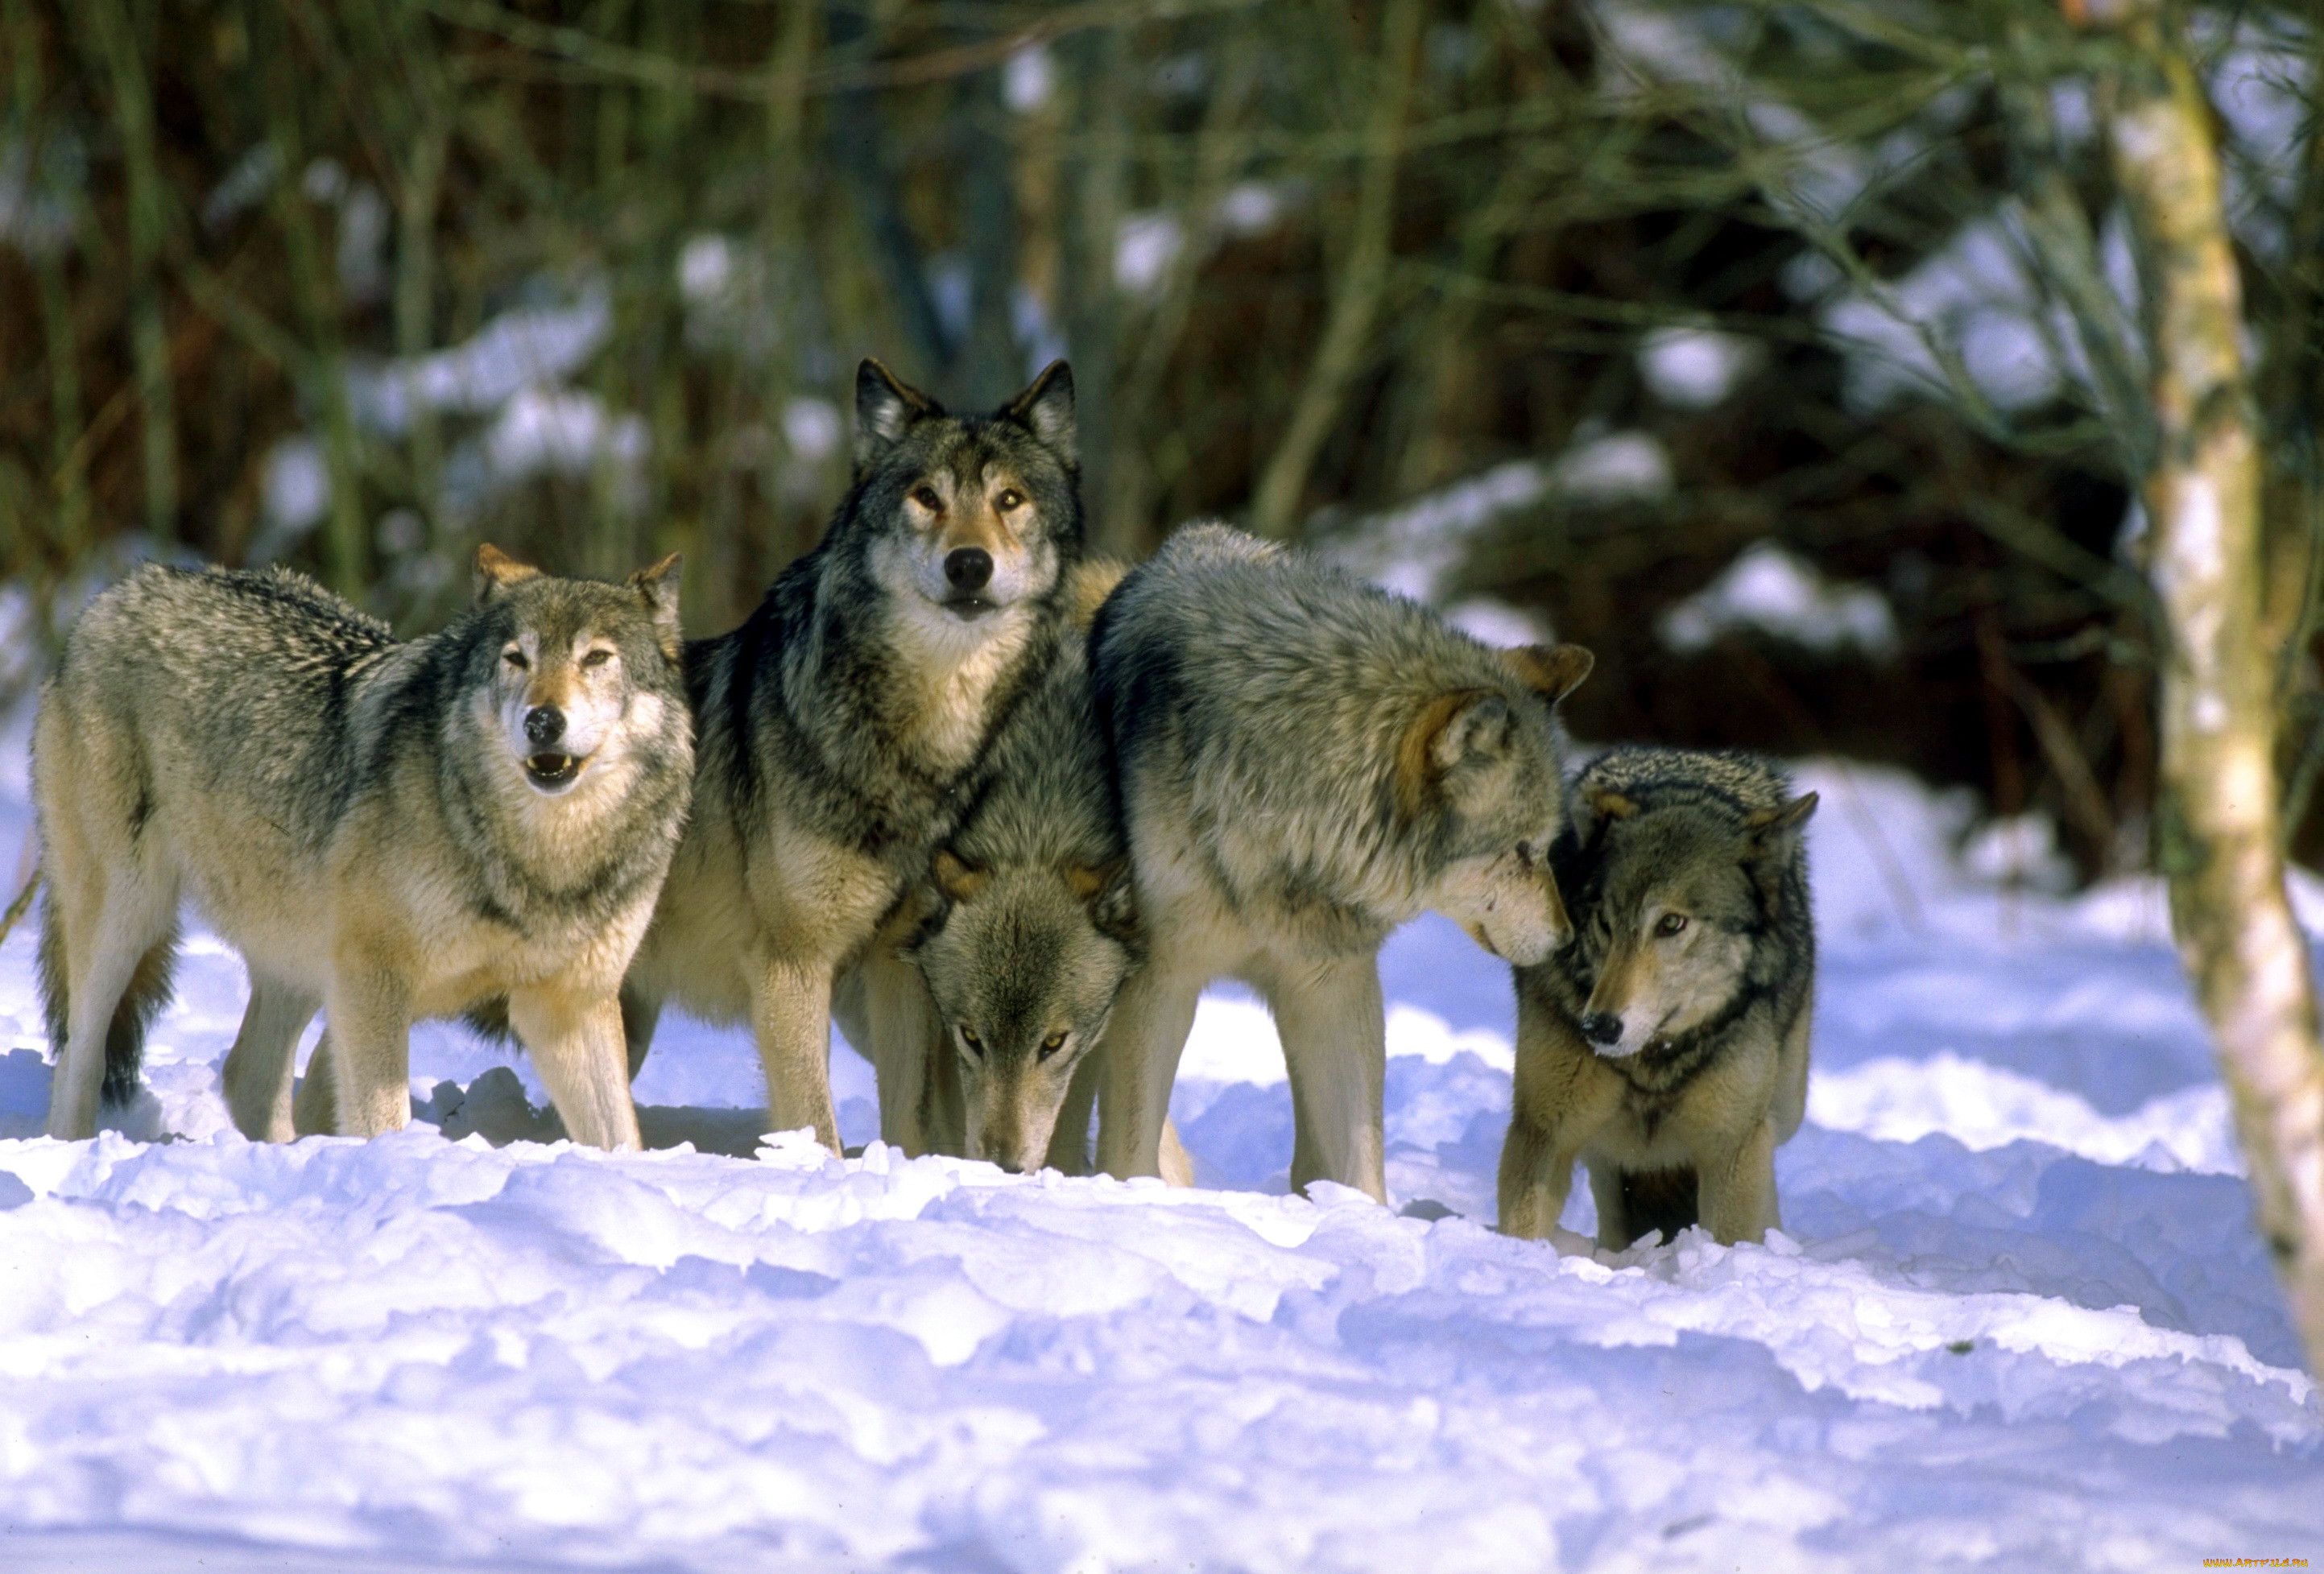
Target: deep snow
2019, 1319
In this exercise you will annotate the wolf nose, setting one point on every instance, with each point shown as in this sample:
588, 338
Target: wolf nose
543, 725
1009, 1166
1602, 1028
968, 568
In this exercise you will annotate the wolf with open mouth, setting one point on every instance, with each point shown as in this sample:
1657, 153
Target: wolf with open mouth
387, 829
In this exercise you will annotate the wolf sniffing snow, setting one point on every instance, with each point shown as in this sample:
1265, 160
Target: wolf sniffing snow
389, 830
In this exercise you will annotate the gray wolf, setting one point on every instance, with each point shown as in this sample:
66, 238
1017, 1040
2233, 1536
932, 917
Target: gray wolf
1022, 935
841, 727
1667, 1048
1306, 762
390, 830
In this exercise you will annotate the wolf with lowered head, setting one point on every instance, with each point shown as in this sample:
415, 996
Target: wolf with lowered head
1668, 1047
842, 725
390, 830
1306, 762
1015, 944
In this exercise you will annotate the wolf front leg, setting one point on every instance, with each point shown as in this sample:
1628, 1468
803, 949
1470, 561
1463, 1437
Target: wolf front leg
1738, 1187
1143, 1040
1334, 1032
790, 1013
576, 1041
369, 1016
904, 1038
1537, 1174
256, 1077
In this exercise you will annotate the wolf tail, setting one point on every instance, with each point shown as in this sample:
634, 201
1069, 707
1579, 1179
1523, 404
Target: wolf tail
140, 1003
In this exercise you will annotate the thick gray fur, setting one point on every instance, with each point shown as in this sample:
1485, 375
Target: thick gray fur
1306, 762
1031, 927
1677, 1116
251, 741
843, 725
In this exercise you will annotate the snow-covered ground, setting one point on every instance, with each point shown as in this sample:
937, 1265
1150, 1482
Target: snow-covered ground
2019, 1319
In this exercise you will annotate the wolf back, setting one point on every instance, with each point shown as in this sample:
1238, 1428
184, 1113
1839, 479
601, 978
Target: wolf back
1306, 762
1668, 1047
840, 725
327, 795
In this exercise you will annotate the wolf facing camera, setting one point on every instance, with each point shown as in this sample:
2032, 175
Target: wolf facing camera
385, 829
1667, 1048
1307, 761
841, 726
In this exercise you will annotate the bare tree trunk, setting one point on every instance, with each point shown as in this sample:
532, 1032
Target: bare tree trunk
2217, 832
1362, 286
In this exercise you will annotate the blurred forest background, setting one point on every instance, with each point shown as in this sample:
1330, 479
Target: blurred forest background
1788, 355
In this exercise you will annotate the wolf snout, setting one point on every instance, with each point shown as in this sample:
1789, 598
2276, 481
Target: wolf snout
1602, 1027
543, 725
968, 569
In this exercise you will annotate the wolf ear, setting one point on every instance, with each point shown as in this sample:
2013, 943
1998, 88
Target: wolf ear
496, 571
1465, 726
955, 879
1047, 411
1609, 805
1551, 671
1774, 837
660, 585
884, 407
1111, 894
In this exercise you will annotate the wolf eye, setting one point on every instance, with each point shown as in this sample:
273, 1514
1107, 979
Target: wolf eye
1670, 924
968, 1036
515, 658
1010, 498
1051, 1044
926, 496
596, 659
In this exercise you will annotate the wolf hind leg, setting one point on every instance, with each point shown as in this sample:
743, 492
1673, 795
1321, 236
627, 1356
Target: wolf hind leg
315, 1112
1635, 1204
106, 961
1172, 1159
641, 1014
256, 1077
1335, 1033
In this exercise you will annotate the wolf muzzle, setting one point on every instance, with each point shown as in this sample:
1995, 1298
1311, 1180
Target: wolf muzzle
968, 569
548, 768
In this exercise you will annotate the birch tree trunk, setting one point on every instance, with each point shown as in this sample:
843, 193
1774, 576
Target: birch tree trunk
2217, 821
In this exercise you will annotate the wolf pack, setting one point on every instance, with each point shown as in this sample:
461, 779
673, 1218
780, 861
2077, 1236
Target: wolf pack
1002, 810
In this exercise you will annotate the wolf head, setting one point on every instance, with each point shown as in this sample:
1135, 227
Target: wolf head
966, 516
577, 679
1479, 770
1674, 899
1023, 964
